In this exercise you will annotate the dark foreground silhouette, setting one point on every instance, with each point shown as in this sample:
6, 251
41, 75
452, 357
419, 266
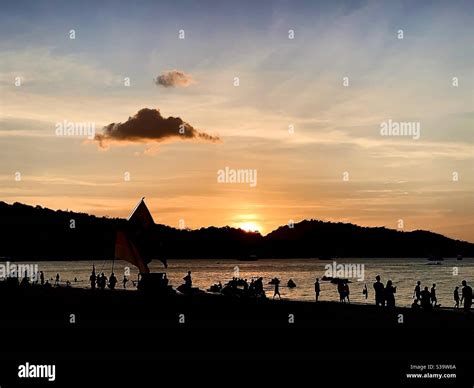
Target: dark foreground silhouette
37, 305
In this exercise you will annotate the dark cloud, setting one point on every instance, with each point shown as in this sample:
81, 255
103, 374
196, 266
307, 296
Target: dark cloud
174, 78
148, 125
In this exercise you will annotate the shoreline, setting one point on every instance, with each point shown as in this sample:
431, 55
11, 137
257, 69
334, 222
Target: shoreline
36, 305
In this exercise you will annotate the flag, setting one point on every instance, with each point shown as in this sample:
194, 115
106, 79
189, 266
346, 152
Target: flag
138, 244
141, 217
126, 250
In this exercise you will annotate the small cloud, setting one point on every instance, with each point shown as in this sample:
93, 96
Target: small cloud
148, 125
174, 78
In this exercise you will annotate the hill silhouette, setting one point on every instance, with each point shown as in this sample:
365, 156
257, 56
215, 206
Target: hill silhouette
33, 232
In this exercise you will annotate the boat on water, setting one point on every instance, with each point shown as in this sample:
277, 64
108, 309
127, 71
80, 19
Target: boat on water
435, 258
459, 257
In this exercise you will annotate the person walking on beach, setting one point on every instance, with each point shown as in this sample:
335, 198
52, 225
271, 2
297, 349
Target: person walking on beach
417, 291
456, 297
390, 291
93, 279
42, 278
379, 292
56, 283
466, 296
426, 299
365, 291
346, 291
317, 288
102, 281
124, 281
277, 289
112, 281
340, 290
434, 300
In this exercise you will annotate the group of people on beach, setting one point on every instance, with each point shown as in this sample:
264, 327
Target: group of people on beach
425, 298
385, 295
101, 281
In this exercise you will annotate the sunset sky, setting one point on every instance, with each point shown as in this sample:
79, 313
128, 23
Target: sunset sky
283, 82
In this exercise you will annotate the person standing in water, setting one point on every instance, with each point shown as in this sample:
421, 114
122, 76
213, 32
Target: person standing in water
417, 291
112, 281
456, 297
434, 299
426, 299
124, 281
277, 289
42, 278
93, 279
379, 292
56, 283
466, 296
390, 291
365, 291
317, 288
346, 291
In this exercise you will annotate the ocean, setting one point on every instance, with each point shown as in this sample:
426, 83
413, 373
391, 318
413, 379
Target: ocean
403, 272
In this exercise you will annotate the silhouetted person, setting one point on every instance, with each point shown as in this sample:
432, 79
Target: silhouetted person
317, 288
456, 297
102, 281
56, 283
25, 282
415, 305
346, 291
277, 289
188, 281
379, 292
259, 291
425, 299
124, 281
112, 281
93, 279
434, 300
340, 290
365, 291
68, 284
417, 291
466, 296
41, 277
390, 291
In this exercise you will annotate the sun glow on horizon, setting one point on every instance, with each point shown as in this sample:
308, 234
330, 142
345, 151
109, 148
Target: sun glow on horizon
250, 227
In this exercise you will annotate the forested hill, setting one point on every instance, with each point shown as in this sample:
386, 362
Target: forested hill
28, 232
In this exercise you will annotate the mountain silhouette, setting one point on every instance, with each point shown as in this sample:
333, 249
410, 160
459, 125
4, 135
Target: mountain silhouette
37, 233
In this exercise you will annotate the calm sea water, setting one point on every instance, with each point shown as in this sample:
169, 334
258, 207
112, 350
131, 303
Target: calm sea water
403, 272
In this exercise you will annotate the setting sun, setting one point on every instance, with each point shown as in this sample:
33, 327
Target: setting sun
250, 227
